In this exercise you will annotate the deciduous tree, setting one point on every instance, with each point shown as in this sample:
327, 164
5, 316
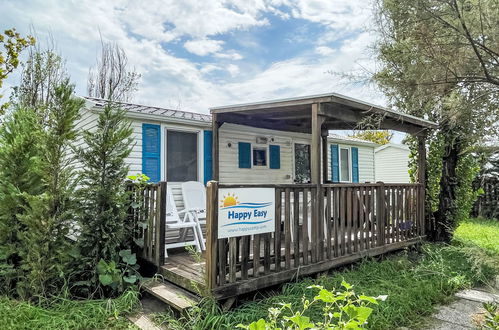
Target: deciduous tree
439, 61
112, 79
13, 44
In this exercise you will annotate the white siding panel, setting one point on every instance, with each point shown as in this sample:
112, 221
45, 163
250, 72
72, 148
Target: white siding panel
392, 165
229, 156
366, 161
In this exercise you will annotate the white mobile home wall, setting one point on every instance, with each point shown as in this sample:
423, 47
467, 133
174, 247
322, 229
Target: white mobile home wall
392, 163
230, 172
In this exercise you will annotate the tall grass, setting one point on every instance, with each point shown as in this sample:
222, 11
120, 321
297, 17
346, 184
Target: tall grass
414, 281
62, 313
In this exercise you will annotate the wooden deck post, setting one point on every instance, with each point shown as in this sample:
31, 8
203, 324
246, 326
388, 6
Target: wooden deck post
211, 234
161, 225
315, 175
422, 176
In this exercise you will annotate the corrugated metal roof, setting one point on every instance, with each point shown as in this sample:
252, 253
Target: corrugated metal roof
145, 109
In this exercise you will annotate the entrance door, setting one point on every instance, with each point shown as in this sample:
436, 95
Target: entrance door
302, 163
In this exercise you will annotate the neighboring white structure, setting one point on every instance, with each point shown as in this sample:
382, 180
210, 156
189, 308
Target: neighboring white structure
392, 163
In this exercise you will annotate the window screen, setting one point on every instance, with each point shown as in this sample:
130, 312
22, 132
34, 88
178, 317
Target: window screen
259, 156
345, 164
181, 156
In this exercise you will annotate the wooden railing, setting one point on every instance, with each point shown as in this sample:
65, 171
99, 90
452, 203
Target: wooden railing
147, 213
316, 228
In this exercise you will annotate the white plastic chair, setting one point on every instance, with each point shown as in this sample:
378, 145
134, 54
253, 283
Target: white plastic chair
194, 195
174, 222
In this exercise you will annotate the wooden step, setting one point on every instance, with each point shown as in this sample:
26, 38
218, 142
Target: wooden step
171, 294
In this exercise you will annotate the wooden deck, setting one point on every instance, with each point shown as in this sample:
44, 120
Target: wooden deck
317, 228
184, 270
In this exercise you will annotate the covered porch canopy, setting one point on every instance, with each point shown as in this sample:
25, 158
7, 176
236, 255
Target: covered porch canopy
316, 115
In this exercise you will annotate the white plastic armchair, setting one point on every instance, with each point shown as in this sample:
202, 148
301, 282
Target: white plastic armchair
174, 222
194, 195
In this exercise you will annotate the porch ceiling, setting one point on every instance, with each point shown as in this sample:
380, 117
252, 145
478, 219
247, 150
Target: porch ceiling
340, 112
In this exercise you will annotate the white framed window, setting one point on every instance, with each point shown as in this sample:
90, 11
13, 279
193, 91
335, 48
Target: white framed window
259, 157
345, 164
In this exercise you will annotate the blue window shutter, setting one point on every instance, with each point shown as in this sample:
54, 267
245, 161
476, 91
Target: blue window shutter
275, 156
151, 150
244, 154
335, 165
355, 164
208, 158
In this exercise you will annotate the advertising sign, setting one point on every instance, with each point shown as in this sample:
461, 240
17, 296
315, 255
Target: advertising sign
245, 211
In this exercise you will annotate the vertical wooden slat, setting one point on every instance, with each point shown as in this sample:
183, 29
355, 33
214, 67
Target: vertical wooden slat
266, 253
287, 228
277, 233
296, 227
305, 225
245, 242
256, 255
380, 207
355, 219
343, 214
322, 223
348, 230
336, 220
361, 218
222, 260
152, 217
313, 222
328, 224
232, 259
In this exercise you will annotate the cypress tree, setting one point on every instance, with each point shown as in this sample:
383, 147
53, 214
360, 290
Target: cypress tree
102, 195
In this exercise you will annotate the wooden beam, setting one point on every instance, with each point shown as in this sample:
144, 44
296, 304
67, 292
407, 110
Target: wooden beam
315, 147
298, 125
215, 125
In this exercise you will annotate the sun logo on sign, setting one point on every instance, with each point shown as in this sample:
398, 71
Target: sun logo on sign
229, 200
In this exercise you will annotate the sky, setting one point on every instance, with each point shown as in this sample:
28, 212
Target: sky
193, 55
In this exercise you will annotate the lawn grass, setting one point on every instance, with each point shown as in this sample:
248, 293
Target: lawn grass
481, 232
68, 314
414, 282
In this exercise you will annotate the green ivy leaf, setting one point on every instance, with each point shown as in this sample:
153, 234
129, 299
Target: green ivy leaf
130, 279
128, 257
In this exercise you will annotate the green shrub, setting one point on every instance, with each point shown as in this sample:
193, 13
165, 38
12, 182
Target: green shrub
340, 310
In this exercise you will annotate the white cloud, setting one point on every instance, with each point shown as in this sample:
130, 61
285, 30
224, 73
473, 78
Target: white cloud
233, 69
231, 55
167, 80
324, 50
203, 47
